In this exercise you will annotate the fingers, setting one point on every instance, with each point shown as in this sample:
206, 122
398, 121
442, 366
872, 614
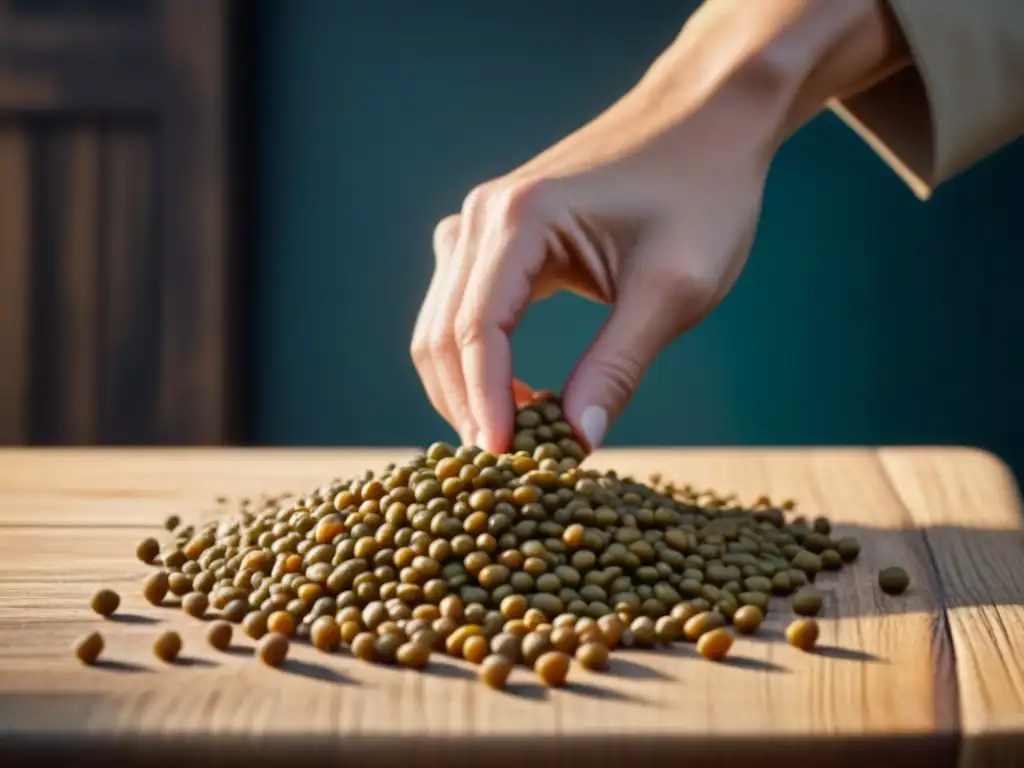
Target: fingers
423, 339
498, 289
660, 299
488, 258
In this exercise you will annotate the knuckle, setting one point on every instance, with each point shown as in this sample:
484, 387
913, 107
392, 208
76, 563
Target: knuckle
439, 342
509, 200
523, 198
477, 200
469, 327
445, 234
419, 350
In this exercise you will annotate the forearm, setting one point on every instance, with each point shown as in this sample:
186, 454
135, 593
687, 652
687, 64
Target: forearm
779, 60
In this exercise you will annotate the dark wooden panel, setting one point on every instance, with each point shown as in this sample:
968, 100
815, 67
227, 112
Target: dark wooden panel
67, 301
131, 333
198, 341
75, 57
119, 285
15, 272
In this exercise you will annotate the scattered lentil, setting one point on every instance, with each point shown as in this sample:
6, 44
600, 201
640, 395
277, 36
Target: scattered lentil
89, 648
105, 602
893, 580
167, 646
714, 645
803, 634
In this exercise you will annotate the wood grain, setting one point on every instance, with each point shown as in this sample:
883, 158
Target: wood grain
930, 676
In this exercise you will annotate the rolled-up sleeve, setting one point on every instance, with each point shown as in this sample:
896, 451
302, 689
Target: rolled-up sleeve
962, 97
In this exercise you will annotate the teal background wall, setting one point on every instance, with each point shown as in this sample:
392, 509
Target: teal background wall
864, 316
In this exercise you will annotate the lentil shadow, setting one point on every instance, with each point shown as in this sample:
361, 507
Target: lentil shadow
758, 665
598, 692
317, 672
533, 691
621, 667
239, 650
133, 618
767, 635
444, 669
127, 667
195, 662
847, 654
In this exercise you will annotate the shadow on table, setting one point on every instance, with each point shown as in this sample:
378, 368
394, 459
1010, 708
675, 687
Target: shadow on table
949, 567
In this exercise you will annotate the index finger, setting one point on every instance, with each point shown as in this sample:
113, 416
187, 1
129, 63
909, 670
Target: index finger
497, 292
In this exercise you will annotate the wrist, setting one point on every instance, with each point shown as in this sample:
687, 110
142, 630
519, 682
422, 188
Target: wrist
775, 64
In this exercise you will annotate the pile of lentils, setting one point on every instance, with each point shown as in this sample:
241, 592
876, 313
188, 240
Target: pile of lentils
518, 558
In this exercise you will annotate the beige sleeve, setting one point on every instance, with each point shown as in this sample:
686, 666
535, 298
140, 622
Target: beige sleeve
960, 100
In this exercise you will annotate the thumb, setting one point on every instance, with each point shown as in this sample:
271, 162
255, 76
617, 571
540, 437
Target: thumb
651, 311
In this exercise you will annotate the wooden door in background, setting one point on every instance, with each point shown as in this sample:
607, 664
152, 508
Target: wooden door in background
117, 280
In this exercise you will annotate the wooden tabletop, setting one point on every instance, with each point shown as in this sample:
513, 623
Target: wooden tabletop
936, 674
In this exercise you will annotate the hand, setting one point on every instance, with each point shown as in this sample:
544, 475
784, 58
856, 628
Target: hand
650, 208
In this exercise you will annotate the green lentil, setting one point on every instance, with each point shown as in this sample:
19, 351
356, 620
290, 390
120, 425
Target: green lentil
893, 580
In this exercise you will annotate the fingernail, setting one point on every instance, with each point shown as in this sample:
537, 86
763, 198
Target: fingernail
594, 422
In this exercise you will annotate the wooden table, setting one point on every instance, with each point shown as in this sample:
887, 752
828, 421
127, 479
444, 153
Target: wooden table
935, 675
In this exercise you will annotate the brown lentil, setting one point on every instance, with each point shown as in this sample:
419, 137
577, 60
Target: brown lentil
89, 648
195, 604
273, 649
494, 671
154, 588
218, 634
593, 656
167, 646
714, 645
747, 619
474, 650
105, 602
552, 668
147, 550
325, 634
802, 634
413, 655
364, 646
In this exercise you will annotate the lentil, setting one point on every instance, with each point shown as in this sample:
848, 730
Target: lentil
552, 668
893, 580
273, 649
105, 602
494, 671
747, 619
218, 635
89, 648
714, 645
593, 656
802, 634
147, 550
522, 557
167, 646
